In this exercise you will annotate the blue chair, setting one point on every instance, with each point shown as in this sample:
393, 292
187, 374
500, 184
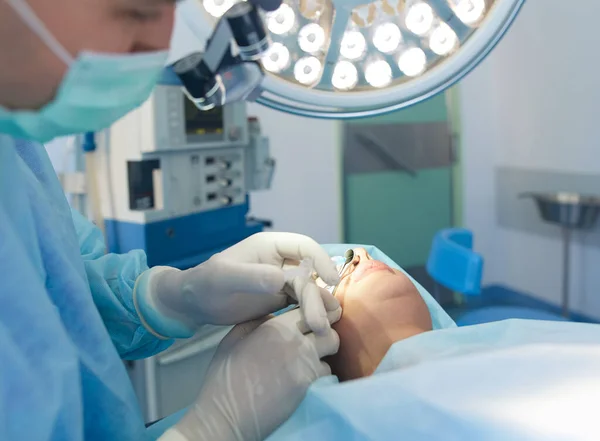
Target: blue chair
452, 262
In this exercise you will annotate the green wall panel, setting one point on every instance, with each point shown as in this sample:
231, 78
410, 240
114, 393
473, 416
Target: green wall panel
398, 213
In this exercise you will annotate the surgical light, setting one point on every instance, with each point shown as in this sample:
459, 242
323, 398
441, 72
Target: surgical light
387, 37
468, 11
403, 51
277, 58
443, 39
307, 70
378, 73
412, 62
311, 38
282, 20
217, 8
419, 18
345, 76
353, 45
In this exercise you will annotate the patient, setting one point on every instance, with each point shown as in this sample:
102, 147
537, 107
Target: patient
380, 307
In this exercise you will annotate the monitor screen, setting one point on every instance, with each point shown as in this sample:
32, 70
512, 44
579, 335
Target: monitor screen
202, 122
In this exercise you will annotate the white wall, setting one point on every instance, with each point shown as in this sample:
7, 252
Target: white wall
305, 196
534, 103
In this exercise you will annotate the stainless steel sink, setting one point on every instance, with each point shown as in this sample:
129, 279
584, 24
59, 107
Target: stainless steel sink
570, 211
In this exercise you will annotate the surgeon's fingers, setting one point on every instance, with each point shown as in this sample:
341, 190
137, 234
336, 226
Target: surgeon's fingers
327, 344
325, 370
299, 247
252, 278
329, 300
311, 305
332, 306
332, 317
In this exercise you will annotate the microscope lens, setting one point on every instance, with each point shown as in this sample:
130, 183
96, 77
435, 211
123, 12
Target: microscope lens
249, 30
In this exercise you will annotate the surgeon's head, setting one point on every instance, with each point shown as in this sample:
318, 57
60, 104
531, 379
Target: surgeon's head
380, 307
30, 72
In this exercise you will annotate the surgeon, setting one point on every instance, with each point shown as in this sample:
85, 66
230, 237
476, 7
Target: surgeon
68, 311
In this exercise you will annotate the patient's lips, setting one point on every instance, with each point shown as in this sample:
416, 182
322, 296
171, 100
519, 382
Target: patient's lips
367, 267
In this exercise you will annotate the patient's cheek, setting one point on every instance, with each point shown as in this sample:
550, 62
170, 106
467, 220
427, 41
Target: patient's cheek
377, 312
363, 341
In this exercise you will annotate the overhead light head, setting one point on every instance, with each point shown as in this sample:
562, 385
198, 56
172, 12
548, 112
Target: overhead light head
351, 58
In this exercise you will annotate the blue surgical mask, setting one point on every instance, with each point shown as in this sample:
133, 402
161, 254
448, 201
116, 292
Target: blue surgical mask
97, 90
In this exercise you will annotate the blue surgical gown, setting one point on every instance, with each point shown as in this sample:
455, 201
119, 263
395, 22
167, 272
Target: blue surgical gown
66, 314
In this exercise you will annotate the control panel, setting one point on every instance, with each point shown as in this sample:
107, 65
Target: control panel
174, 160
179, 124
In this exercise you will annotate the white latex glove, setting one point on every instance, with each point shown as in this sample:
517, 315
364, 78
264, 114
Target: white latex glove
242, 283
257, 378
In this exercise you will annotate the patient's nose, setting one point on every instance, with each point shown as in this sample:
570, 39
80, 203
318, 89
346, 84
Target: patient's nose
360, 254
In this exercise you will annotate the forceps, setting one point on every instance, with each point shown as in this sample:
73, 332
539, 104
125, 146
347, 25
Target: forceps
348, 258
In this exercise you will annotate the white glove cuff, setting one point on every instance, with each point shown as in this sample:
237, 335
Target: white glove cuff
149, 310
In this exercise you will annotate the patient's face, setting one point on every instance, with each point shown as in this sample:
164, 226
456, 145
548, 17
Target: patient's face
365, 276
380, 306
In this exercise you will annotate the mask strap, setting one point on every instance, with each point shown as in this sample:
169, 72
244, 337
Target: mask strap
37, 26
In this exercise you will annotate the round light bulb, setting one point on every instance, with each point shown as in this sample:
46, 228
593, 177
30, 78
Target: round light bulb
443, 40
412, 62
277, 58
311, 38
282, 20
217, 8
469, 11
353, 45
378, 73
387, 38
307, 70
345, 76
419, 18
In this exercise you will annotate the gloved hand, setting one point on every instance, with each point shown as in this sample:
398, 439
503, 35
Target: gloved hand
239, 284
257, 378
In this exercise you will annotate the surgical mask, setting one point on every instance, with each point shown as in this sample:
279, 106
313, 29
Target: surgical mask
97, 90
